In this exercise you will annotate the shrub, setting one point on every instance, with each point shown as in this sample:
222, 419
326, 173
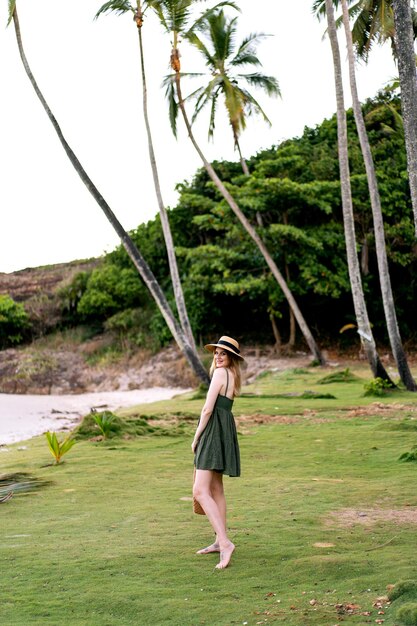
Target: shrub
404, 586
407, 614
344, 376
409, 456
104, 421
377, 387
14, 322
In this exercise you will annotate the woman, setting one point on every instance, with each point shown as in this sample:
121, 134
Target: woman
215, 443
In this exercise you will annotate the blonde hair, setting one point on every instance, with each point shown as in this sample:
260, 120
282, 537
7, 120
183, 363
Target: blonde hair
234, 367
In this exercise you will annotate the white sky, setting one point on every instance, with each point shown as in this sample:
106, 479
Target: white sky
88, 71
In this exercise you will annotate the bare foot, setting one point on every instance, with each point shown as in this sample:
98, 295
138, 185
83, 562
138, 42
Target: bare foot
213, 548
225, 556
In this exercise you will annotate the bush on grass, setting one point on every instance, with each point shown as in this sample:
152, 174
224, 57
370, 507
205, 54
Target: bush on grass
131, 427
377, 387
104, 421
404, 586
344, 376
407, 614
409, 456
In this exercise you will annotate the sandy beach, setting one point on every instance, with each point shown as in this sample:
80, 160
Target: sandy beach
24, 416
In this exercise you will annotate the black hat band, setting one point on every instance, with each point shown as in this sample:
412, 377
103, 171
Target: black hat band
229, 345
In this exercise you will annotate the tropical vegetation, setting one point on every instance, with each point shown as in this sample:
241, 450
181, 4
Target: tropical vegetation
300, 252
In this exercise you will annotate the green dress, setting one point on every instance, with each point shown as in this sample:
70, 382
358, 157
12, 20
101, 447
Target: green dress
218, 447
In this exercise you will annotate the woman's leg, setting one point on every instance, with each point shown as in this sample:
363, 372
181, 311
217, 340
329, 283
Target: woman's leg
203, 493
217, 493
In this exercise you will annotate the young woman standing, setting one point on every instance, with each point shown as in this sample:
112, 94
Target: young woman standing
215, 443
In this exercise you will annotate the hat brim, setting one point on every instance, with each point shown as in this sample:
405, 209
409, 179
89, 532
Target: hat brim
212, 346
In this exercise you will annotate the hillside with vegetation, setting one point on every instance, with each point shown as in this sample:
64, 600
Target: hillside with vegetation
292, 198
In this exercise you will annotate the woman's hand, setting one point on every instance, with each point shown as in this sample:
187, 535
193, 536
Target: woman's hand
194, 445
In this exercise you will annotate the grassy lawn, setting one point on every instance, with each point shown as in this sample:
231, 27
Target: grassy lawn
323, 517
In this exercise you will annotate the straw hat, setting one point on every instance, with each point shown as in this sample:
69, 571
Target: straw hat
227, 343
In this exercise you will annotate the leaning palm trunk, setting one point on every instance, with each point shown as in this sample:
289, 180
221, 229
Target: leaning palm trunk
243, 220
404, 42
241, 157
169, 244
364, 327
134, 254
381, 253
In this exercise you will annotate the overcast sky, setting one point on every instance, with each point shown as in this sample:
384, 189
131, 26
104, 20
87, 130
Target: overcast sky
88, 71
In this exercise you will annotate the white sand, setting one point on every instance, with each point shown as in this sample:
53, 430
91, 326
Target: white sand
24, 416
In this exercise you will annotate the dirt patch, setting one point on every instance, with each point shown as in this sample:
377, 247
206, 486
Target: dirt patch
378, 408
260, 418
368, 517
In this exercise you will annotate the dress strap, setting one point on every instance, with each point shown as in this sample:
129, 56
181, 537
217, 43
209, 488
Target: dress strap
227, 383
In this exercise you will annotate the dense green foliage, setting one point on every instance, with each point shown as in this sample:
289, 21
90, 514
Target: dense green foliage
293, 198
14, 322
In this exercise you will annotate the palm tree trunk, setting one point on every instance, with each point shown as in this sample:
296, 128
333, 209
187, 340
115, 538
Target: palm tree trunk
364, 327
291, 339
277, 334
383, 269
134, 254
241, 157
169, 244
404, 42
248, 227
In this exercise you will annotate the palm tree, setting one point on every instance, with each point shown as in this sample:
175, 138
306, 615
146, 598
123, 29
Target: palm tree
404, 41
121, 7
174, 16
382, 260
378, 21
134, 254
383, 270
225, 62
364, 327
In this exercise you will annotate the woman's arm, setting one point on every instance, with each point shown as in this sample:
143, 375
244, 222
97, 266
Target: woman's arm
217, 382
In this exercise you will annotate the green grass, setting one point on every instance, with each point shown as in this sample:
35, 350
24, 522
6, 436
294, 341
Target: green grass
112, 540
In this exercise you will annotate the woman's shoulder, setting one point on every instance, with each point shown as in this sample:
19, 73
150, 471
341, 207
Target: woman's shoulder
219, 374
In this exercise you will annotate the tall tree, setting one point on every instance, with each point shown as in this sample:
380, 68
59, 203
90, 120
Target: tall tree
121, 7
134, 254
378, 21
225, 62
381, 252
382, 260
404, 41
174, 16
364, 327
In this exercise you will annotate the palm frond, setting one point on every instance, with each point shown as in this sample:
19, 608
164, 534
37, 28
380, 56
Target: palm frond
11, 8
200, 23
174, 15
115, 6
212, 116
203, 96
249, 58
170, 78
194, 40
269, 84
252, 107
172, 103
157, 7
249, 44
